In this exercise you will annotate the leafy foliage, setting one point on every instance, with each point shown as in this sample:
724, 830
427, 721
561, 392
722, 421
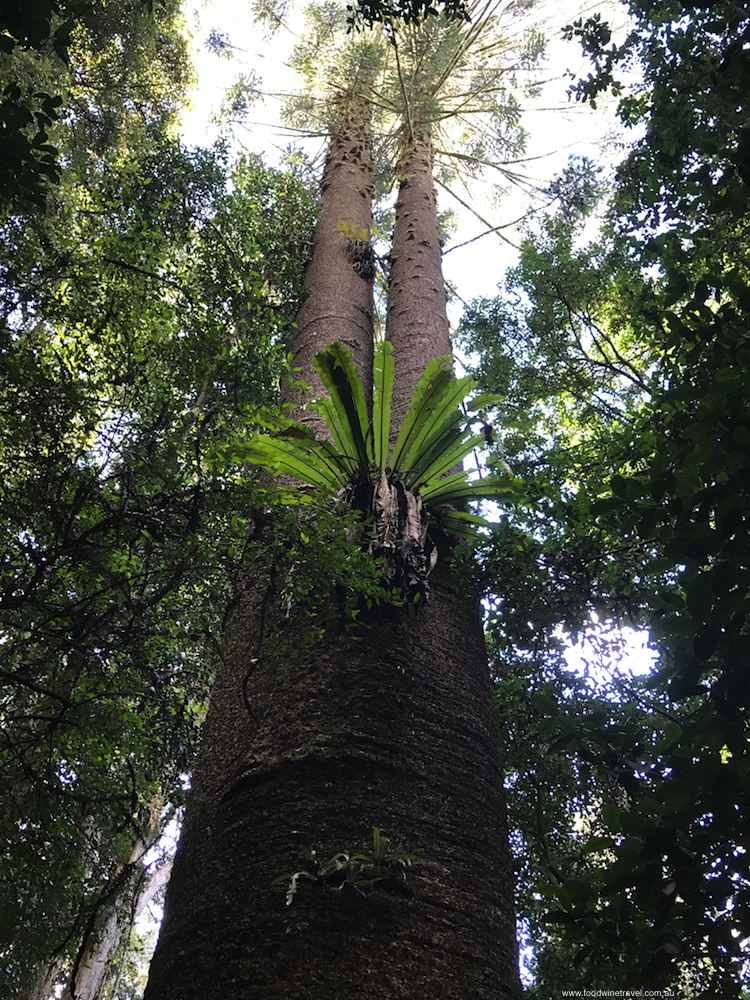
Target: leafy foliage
460, 81
355, 870
399, 494
636, 514
370, 12
78, 79
143, 317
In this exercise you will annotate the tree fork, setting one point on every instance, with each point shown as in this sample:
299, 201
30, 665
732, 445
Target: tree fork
321, 729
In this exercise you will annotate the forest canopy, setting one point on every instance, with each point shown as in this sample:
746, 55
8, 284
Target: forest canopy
624, 363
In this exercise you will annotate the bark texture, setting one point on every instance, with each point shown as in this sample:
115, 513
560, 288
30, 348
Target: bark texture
340, 304
416, 322
390, 727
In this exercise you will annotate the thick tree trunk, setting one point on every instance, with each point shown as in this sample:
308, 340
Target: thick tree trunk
416, 322
340, 304
389, 727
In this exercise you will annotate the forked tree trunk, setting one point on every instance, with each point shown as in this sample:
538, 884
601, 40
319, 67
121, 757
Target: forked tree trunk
316, 736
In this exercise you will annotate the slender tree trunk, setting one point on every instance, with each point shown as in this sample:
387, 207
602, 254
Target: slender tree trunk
95, 964
416, 322
340, 304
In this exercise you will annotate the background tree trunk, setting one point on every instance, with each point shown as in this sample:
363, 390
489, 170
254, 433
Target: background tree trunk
42, 987
101, 949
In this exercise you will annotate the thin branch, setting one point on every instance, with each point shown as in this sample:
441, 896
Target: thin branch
475, 213
149, 274
36, 687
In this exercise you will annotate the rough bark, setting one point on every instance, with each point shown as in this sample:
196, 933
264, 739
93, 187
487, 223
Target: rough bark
390, 727
340, 304
416, 322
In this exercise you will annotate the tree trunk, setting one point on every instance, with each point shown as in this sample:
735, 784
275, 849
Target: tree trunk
392, 727
340, 304
101, 949
320, 730
44, 985
416, 323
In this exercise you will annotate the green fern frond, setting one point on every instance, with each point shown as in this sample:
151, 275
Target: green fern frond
435, 437
349, 415
383, 370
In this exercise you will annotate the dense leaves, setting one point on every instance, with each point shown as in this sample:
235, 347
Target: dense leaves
370, 12
626, 364
401, 496
144, 315
79, 78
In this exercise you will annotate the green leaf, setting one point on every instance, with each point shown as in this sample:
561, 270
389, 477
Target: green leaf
443, 408
340, 432
448, 458
485, 401
272, 421
341, 379
436, 379
442, 436
315, 469
462, 524
383, 369
612, 816
460, 487
700, 597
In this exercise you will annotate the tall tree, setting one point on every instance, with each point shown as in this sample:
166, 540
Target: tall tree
338, 77
120, 541
329, 731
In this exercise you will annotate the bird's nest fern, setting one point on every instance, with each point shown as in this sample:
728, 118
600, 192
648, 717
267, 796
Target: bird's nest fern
406, 493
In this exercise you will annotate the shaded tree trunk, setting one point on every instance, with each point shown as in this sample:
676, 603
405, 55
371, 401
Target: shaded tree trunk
42, 986
95, 963
389, 726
